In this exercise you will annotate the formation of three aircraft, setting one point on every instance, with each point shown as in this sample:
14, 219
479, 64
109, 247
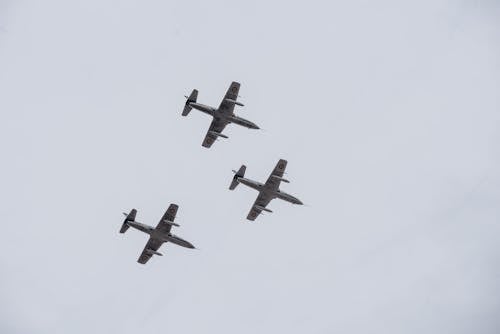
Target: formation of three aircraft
268, 191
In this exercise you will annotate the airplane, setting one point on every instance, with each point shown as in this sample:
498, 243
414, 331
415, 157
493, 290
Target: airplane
222, 116
158, 235
267, 191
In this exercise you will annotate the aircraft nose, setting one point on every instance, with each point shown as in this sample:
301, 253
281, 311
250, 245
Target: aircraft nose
253, 126
187, 244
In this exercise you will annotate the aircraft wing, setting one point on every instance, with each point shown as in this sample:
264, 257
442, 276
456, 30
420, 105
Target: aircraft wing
216, 126
152, 246
261, 202
232, 94
168, 216
276, 176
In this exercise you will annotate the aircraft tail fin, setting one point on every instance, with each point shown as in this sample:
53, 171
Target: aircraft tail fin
129, 217
191, 98
237, 175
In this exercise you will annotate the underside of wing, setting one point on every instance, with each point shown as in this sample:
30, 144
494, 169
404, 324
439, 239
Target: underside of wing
227, 104
213, 132
277, 174
149, 250
168, 217
260, 203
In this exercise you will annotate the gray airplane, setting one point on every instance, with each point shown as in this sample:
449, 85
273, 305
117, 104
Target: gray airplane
158, 235
222, 116
267, 191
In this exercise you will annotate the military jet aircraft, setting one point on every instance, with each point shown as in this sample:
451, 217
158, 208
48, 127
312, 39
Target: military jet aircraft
158, 235
267, 191
222, 116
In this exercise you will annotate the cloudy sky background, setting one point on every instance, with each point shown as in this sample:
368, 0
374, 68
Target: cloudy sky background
387, 112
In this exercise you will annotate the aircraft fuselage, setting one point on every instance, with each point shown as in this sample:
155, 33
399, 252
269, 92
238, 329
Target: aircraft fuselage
219, 114
269, 190
165, 237
203, 108
140, 226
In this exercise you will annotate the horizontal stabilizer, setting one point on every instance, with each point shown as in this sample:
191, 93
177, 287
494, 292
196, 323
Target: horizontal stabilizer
237, 175
191, 98
129, 217
124, 228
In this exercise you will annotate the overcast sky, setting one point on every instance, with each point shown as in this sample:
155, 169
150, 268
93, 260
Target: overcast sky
387, 112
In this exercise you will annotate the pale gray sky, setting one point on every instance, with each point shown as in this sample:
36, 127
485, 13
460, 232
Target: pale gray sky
387, 112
